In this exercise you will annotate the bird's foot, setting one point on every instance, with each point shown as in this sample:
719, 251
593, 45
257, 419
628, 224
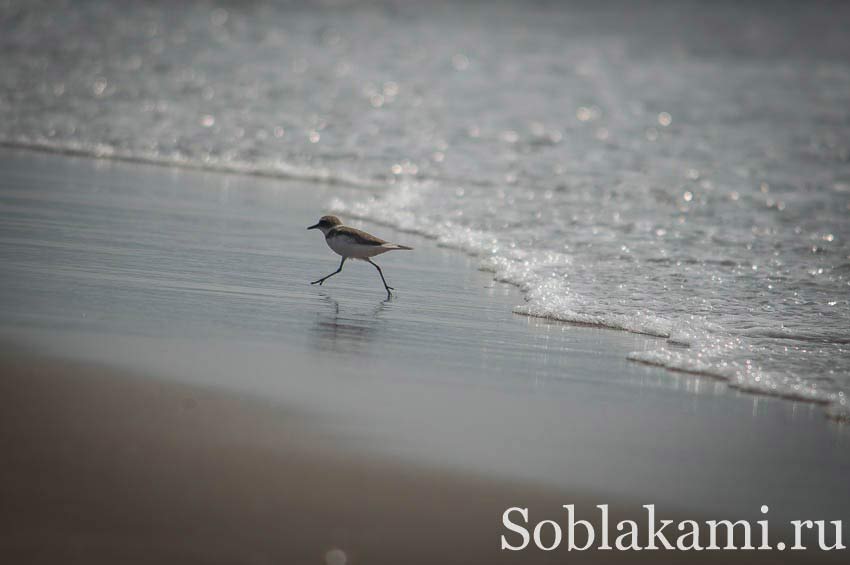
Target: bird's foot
318, 282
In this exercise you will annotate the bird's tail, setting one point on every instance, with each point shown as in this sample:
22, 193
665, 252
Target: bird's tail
397, 246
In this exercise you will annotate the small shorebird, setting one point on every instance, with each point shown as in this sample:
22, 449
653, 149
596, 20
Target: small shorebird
353, 244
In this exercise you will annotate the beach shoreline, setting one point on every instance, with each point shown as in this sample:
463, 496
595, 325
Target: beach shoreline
197, 283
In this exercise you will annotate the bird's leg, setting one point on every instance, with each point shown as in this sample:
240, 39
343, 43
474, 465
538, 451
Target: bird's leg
386, 286
323, 279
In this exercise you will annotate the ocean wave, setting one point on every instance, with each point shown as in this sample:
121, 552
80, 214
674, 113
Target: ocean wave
269, 169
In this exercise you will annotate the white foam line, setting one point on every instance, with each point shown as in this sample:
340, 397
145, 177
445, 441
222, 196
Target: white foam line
397, 210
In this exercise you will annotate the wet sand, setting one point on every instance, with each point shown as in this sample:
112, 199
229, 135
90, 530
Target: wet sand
269, 421
102, 467
108, 468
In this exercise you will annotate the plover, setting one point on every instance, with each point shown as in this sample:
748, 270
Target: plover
351, 243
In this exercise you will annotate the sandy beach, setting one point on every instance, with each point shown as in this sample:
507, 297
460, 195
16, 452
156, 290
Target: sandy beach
619, 325
176, 392
131, 470
143, 471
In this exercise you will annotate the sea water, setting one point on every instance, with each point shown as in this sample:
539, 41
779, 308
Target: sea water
680, 169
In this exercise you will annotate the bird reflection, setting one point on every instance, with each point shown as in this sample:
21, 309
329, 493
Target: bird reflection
347, 329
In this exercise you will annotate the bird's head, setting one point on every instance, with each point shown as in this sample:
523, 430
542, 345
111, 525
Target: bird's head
326, 223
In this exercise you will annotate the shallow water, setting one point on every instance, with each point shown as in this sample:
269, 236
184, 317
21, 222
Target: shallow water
203, 278
680, 169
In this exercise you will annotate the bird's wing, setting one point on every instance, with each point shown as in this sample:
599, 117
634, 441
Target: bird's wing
357, 236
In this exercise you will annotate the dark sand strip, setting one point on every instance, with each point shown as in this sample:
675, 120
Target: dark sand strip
100, 467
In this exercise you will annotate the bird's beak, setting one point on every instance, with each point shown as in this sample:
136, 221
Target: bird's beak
314, 226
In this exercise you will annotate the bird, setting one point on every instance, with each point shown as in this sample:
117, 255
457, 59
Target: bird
352, 243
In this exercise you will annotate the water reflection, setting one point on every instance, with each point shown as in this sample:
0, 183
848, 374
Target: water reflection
348, 327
